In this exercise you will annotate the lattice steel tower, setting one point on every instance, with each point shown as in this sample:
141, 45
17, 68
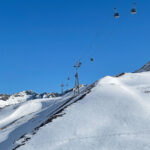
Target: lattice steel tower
77, 66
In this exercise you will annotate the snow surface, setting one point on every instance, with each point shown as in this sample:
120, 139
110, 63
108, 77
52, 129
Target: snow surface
7, 100
114, 116
19, 122
16, 98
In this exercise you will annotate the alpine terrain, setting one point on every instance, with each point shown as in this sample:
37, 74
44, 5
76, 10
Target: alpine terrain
111, 114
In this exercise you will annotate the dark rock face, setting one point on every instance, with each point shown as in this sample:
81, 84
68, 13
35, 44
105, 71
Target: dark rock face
4, 97
119, 75
145, 68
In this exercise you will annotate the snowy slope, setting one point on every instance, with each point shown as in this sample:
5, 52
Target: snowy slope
111, 114
115, 115
19, 122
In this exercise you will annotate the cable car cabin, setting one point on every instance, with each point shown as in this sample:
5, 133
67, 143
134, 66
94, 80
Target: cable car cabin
116, 15
92, 59
133, 11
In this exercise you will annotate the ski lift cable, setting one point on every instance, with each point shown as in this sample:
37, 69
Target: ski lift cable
87, 51
90, 48
117, 23
108, 36
98, 34
103, 35
96, 37
104, 38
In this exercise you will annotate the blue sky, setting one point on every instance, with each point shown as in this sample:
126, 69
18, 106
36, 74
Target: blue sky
40, 40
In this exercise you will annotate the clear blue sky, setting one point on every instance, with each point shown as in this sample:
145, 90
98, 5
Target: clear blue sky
40, 40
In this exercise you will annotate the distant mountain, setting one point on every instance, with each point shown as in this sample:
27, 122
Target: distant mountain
145, 68
28, 94
4, 97
16, 98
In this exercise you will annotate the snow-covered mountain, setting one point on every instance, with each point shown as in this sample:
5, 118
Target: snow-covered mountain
6, 100
145, 68
111, 114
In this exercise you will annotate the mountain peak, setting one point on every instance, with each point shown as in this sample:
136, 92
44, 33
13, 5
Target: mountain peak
24, 96
145, 68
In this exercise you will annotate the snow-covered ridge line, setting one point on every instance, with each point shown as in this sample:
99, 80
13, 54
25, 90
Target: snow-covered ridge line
6, 100
34, 95
145, 68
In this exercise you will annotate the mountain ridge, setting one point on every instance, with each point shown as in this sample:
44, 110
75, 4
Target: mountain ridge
144, 68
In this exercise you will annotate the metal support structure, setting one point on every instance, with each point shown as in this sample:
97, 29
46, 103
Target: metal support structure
77, 66
62, 88
67, 84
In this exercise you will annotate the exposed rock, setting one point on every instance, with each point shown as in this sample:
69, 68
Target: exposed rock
145, 68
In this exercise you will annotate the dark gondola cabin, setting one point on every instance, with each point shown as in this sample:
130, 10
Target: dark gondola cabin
133, 11
91, 59
116, 14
